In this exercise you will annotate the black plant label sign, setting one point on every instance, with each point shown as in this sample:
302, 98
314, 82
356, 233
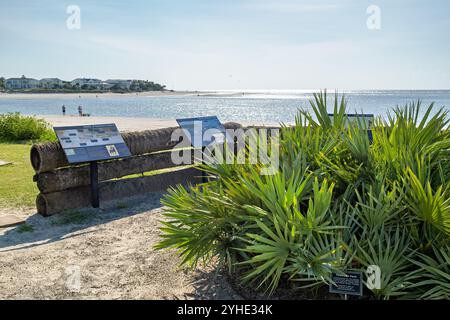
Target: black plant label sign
350, 283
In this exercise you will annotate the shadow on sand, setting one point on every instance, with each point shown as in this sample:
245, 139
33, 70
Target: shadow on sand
44, 230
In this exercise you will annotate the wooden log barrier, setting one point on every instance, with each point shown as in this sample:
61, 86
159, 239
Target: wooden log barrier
64, 186
77, 176
55, 202
49, 156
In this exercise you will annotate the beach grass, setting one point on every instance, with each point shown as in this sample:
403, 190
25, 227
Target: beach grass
17, 188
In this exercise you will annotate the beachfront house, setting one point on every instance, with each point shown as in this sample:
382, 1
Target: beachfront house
51, 83
87, 83
120, 83
106, 85
21, 83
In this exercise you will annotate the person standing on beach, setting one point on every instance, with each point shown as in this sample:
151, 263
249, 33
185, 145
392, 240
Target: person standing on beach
80, 111
63, 110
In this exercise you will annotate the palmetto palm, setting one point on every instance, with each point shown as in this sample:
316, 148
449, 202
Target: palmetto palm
337, 202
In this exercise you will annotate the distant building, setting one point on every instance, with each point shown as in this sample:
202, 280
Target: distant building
121, 84
21, 83
24, 83
106, 85
51, 83
91, 83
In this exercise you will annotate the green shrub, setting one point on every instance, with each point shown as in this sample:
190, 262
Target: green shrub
337, 203
16, 127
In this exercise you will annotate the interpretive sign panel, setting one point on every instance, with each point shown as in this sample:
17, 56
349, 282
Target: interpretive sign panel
203, 131
92, 142
351, 283
365, 120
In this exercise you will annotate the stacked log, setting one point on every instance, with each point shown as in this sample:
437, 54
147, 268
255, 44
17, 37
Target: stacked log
64, 186
50, 155
50, 203
71, 177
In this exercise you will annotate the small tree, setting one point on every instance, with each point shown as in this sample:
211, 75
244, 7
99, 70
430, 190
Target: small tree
67, 85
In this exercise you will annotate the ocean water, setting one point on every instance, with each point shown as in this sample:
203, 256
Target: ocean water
258, 106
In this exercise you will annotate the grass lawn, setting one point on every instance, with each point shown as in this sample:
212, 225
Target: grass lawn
17, 188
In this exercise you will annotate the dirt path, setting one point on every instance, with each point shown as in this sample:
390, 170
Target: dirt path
99, 254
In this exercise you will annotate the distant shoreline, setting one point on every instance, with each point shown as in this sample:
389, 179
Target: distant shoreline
74, 95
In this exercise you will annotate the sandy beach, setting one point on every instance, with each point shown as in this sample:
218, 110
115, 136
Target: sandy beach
125, 124
111, 251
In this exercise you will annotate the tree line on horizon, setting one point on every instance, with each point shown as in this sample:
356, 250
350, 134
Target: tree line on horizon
67, 86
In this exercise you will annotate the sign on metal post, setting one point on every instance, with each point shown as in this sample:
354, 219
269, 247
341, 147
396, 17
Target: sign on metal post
365, 120
196, 129
92, 143
351, 283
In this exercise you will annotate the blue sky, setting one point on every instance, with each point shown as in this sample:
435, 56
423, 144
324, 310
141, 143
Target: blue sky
248, 44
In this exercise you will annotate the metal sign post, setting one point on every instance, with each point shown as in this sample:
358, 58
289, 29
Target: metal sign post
90, 144
204, 176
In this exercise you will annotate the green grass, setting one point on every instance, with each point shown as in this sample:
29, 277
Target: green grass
25, 228
17, 188
73, 217
122, 205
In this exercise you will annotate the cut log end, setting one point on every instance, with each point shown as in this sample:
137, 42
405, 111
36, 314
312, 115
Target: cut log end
35, 158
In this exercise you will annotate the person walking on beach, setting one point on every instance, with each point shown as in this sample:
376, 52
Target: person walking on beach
80, 111
63, 110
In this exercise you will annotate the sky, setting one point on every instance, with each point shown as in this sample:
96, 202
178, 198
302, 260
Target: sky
232, 45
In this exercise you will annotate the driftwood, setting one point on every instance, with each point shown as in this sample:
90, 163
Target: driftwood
71, 177
51, 203
49, 156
